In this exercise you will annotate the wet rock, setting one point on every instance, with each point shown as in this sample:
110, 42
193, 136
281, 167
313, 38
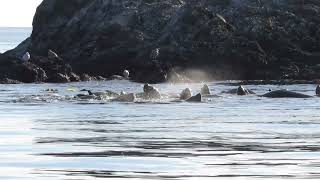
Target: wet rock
27, 72
85, 77
100, 78
52, 55
74, 77
196, 98
9, 81
59, 78
57, 70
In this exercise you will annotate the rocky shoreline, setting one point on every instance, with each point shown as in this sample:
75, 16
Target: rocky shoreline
169, 40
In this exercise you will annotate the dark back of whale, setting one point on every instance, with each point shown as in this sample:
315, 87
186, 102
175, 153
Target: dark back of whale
285, 94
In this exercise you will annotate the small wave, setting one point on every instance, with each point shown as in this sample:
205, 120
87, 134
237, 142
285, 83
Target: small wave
48, 98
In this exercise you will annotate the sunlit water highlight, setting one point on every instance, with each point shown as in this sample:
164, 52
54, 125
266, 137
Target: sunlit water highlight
49, 136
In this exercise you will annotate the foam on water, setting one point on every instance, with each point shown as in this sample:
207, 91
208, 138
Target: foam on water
228, 137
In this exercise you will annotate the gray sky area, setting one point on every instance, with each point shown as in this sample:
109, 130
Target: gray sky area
17, 13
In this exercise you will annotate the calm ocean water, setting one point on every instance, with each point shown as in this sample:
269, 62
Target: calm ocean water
51, 136
11, 37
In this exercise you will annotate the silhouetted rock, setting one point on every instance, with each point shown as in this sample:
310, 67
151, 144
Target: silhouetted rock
15, 69
229, 39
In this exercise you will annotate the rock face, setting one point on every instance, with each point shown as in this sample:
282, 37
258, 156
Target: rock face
228, 39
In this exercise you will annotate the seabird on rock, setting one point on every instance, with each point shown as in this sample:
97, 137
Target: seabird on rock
126, 74
26, 57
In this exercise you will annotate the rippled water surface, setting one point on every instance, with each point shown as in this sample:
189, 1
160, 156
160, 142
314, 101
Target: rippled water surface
11, 37
52, 136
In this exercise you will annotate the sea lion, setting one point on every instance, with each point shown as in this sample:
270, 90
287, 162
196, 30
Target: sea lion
116, 77
103, 95
126, 98
26, 57
241, 91
125, 76
205, 90
318, 90
52, 90
196, 98
151, 92
90, 95
111, 93
285, 94
186, 94
235, 91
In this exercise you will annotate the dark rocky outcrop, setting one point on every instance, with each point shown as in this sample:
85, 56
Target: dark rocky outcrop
227, 39
15, 69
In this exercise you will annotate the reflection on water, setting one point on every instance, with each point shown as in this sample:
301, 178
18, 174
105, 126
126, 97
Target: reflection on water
52, 136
